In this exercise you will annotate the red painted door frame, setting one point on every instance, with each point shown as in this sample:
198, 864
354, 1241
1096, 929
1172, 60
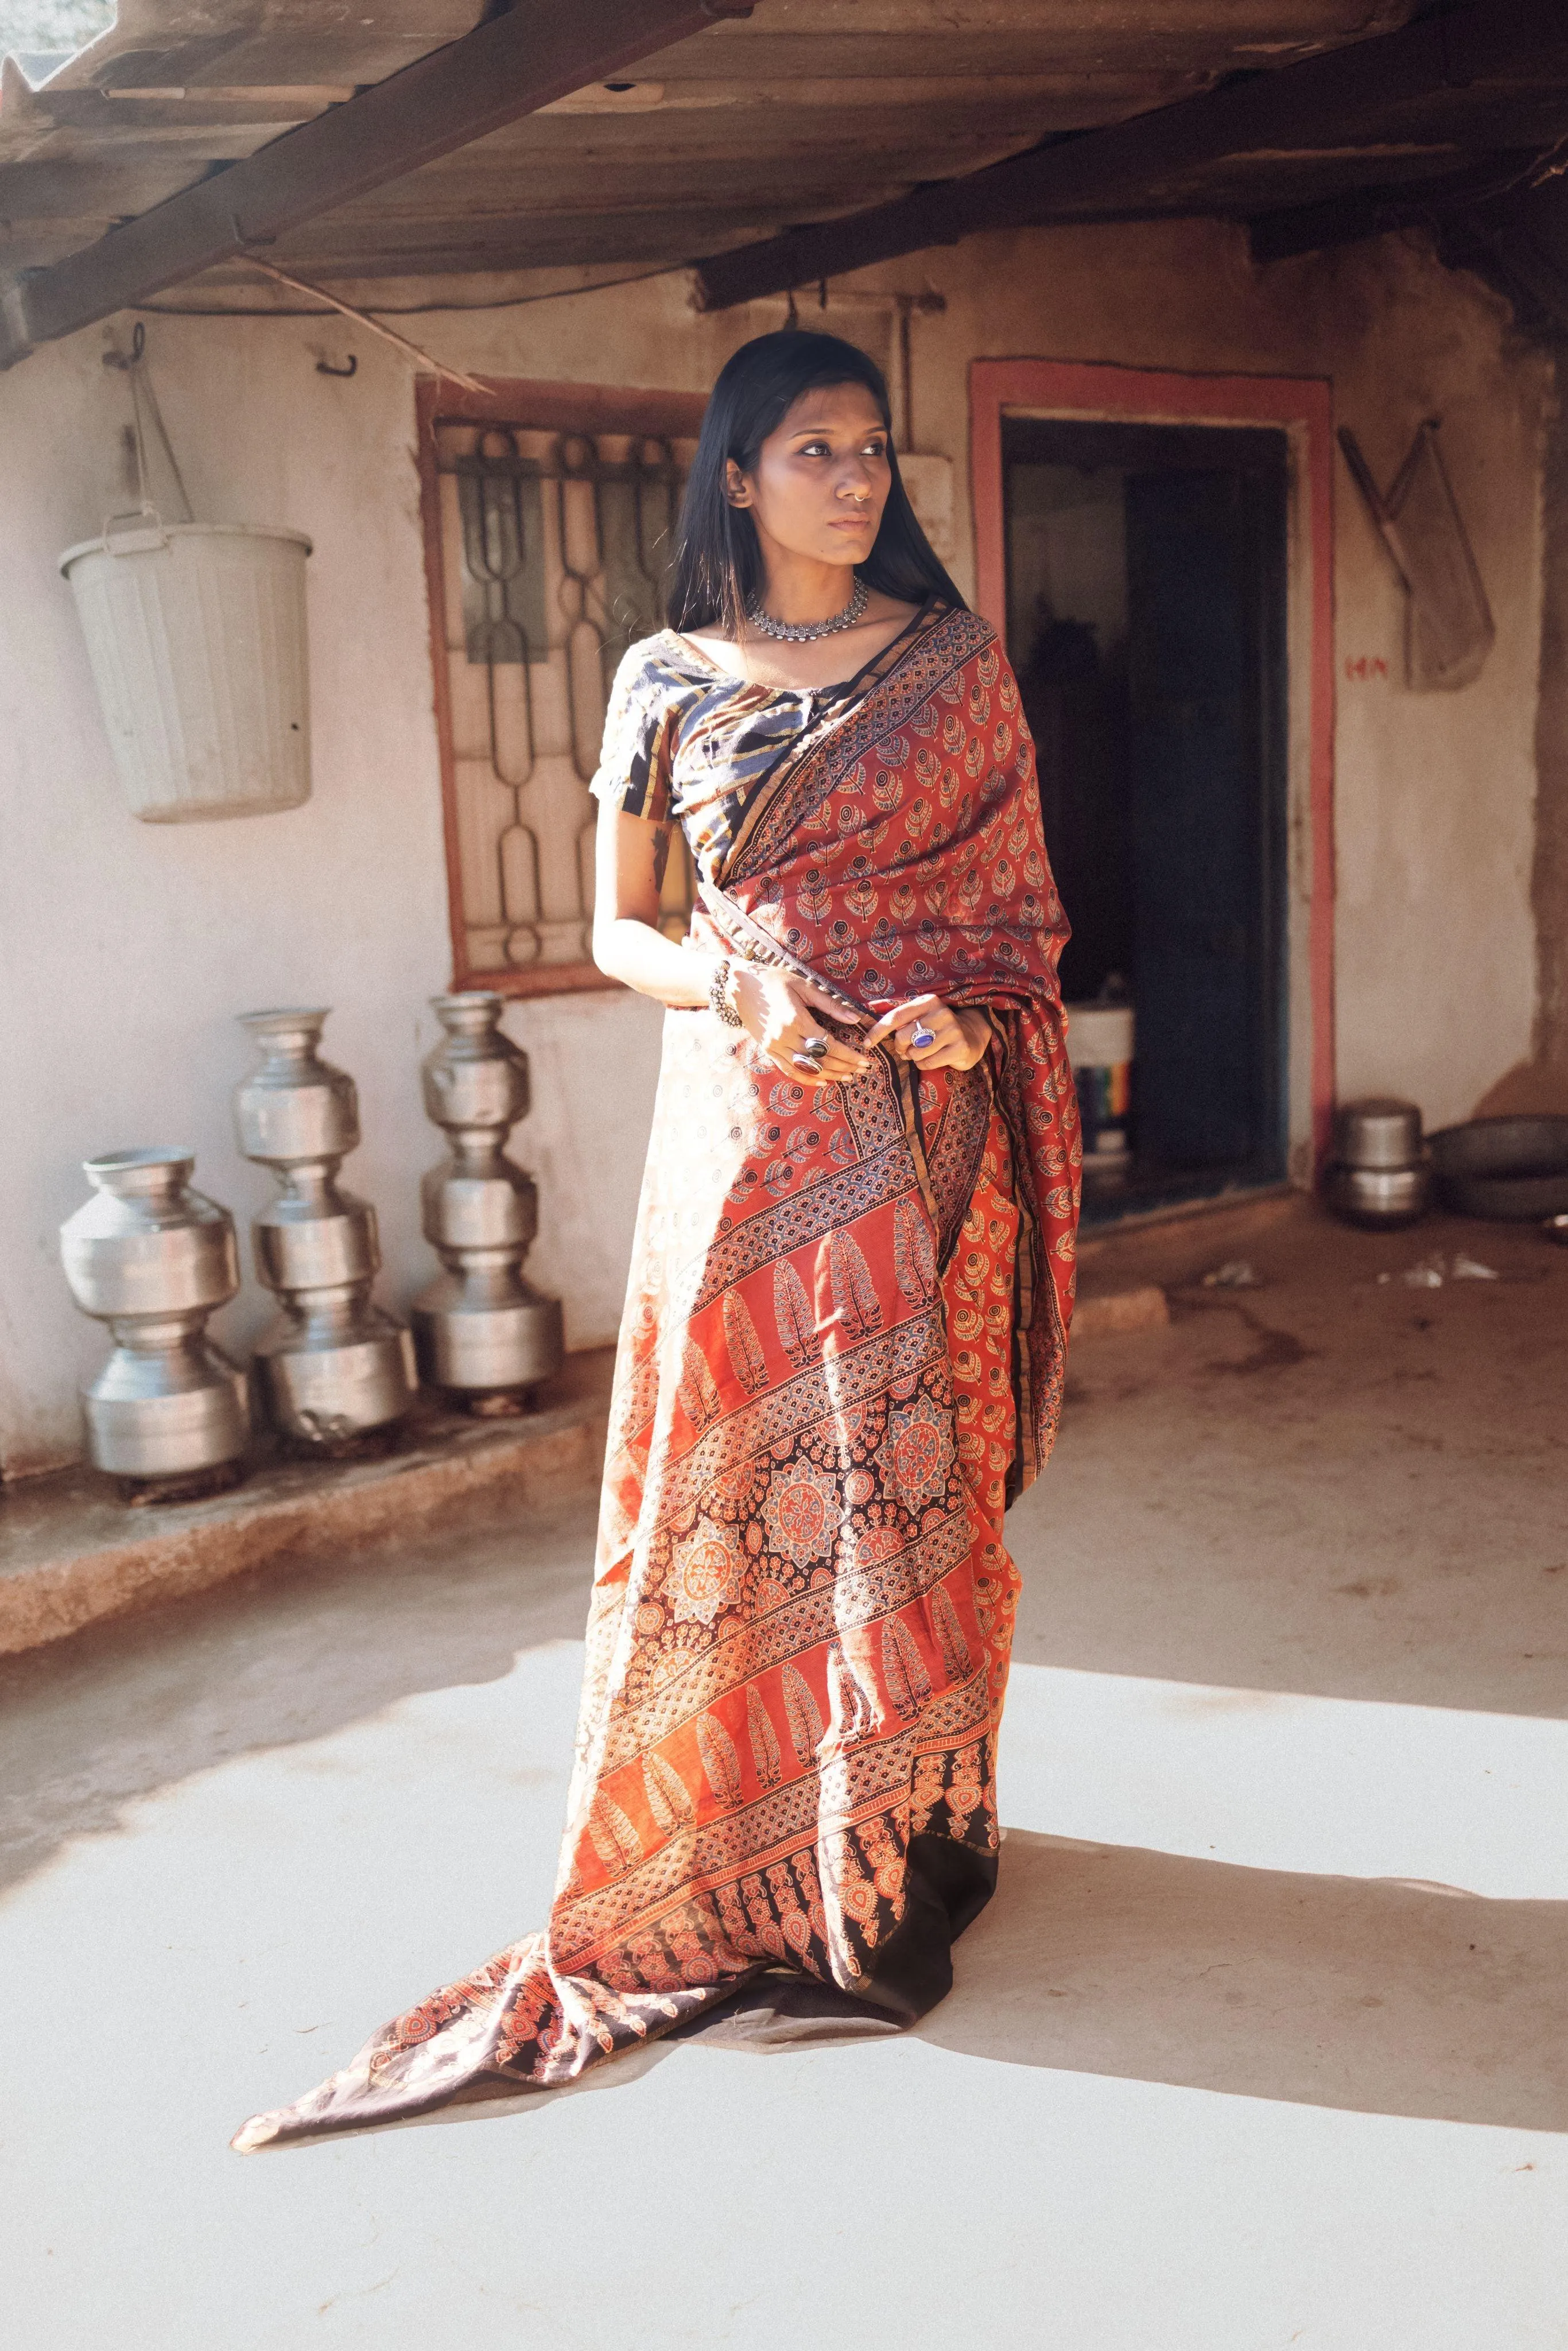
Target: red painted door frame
1072, 388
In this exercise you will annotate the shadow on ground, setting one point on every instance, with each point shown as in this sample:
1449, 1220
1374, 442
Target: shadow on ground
1369, 1994
274, 1657
1372, 1996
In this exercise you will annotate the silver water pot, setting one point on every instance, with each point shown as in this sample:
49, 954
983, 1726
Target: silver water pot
1385, 1197
152, 1257
1381, 1176
1377, 1132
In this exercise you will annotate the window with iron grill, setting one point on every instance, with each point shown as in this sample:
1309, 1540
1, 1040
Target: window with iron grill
549, 536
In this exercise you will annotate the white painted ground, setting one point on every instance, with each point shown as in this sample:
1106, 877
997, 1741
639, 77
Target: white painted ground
1286, 2110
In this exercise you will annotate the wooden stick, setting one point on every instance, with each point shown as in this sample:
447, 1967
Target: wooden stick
387, 334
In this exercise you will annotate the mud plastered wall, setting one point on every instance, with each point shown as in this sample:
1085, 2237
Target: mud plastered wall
126, 949
1435, 797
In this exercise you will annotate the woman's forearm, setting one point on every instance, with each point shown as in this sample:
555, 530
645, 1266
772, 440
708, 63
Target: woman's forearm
634, 952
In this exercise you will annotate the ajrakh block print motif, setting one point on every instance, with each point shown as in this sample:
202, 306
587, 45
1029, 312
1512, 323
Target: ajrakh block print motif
842, 1353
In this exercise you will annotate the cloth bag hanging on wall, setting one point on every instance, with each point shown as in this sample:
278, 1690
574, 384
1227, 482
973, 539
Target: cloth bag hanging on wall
1449, 629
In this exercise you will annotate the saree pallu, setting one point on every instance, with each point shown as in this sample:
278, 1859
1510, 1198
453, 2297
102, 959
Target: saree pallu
841, 1355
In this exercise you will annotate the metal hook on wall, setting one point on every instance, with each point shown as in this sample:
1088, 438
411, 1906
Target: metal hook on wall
325, 367
138, 345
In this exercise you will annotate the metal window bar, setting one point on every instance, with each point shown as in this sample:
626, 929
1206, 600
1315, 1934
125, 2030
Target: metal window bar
556, 548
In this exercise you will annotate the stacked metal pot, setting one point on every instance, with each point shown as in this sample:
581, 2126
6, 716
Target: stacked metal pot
333, 1369
152, 1258
1381, 1175
169, 1414
484, 1332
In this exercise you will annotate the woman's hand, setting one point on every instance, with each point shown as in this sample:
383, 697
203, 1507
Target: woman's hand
781, 1013
932, 1035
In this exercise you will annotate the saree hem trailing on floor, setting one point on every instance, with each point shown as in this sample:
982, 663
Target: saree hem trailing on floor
842, 1354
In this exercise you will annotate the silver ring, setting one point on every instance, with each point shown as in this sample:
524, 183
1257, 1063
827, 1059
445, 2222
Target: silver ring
920, 1036
816, 1046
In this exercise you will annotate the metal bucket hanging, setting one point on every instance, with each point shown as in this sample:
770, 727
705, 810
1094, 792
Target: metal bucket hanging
195, 633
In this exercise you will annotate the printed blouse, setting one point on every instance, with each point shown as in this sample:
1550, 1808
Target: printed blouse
686, 742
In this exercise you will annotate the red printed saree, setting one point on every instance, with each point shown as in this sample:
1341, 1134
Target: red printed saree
842, 1354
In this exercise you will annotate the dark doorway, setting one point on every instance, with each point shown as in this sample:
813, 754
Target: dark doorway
1145, 619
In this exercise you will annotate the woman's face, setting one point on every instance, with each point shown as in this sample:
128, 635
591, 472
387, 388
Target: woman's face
822, 479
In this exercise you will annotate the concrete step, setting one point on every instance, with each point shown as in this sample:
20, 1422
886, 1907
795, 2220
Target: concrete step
71, 1551
1126, 1271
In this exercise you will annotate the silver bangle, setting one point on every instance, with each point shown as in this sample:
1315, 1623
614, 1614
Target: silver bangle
719, 995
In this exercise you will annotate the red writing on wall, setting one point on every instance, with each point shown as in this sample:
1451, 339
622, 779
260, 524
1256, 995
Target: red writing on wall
1365, 665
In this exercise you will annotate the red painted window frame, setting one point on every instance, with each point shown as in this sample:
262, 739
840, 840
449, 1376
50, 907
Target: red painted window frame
550, 407
1073, 388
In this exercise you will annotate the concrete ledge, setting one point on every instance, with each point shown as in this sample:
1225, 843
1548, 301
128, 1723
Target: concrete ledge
1126, 1271
71, 1553
1145, 1309
1176, 1246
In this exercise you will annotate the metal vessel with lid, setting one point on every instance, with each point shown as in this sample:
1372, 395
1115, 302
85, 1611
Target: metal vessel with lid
1379, 1130
1380, 1175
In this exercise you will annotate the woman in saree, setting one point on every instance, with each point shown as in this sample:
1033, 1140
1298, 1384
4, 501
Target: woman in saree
845, 1325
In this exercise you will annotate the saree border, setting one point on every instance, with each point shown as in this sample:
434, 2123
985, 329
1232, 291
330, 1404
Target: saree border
915, 669
816, 771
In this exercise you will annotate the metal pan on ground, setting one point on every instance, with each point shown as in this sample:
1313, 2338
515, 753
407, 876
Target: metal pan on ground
1511, 1170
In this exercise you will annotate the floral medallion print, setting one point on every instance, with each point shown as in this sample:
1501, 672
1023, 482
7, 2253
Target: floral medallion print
918, 1453
804, 1507
704, 1576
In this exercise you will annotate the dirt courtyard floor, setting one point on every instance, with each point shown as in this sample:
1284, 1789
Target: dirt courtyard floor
1262, 2043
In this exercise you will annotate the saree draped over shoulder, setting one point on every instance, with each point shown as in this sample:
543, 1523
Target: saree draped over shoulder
842, 1354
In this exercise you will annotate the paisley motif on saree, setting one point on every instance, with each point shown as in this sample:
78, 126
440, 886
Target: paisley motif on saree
842, 1354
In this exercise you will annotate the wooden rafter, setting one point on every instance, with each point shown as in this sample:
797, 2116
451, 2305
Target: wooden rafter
1483, 51
1506, 219
539, 51
1368, 211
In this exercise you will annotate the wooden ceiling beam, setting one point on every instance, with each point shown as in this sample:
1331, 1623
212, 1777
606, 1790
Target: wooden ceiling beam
1489, 219
1353, 215
1520, 241
1483, 48
539, 50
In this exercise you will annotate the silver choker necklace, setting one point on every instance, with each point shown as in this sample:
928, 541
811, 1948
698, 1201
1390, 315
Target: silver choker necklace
803, 633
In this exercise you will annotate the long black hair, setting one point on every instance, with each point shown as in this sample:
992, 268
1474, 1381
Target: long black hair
718, 563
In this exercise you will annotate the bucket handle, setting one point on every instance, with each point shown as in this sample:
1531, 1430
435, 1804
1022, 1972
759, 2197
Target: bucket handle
148, 531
